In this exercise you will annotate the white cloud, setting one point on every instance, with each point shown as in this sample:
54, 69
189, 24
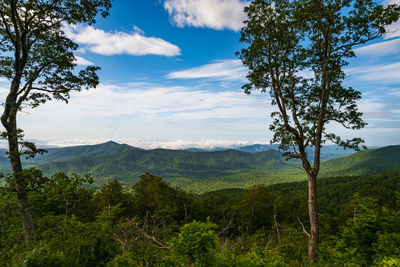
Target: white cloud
394, 93
384, 73
215, 14
379, 49
226, 70
81, 50
150, 112
392, 31
82, 62
151, 101
2, 80
370, 106
113, 43
389, 2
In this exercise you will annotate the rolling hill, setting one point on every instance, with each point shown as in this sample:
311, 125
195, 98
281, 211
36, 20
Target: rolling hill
369, 161
64, 153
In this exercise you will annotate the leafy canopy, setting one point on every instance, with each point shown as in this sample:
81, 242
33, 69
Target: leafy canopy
36, 55
296, 52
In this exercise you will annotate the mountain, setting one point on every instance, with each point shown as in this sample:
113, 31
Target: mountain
204, 170
257, 148
195, 149
369, 161
250, 149
327, 152
170, 163
64, 153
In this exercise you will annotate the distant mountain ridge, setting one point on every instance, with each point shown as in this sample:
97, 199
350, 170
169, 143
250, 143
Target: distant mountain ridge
207, 170
170, 163
98, 150
111, 148
328, 151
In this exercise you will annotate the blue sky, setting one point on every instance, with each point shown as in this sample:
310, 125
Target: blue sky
170, 78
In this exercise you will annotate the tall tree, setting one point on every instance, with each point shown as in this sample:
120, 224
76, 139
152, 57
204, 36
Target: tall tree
289, 39
37, 58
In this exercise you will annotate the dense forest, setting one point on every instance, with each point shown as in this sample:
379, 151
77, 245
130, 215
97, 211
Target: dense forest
152, 223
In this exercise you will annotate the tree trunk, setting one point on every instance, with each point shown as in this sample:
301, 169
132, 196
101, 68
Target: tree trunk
20, 186
313, 216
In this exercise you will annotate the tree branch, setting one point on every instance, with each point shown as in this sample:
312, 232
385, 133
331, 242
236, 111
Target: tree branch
304, 229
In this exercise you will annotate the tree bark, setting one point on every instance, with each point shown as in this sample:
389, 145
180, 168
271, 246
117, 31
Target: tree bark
313, 216
20, 186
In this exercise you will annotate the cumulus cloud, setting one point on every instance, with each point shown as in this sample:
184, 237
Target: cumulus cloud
82, 61
214, 14
225, 70
113, 43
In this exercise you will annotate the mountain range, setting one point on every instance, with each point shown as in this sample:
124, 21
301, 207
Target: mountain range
204, 170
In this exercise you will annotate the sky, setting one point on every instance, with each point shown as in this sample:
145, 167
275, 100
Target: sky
170, 78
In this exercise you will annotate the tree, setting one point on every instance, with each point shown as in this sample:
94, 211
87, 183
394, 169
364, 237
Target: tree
196, 242
287, 39
37, 58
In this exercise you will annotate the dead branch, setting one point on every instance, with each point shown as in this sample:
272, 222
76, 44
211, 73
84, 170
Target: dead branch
226, 227
160, 245
304, 229
277, 228
266, 247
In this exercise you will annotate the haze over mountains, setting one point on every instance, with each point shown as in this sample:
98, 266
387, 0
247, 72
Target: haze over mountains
203, 170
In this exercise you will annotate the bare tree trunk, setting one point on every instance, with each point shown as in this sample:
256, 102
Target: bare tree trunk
20, 186
313, 216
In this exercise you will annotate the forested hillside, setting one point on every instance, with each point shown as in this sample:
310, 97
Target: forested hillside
180, 167
65, 153
370, 161
155, 224
203, 171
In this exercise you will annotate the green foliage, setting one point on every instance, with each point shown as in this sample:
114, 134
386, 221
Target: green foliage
147, 225
257, 209
63, 195
390, 262
84, 244
122, 260
370, 236
42, 256
11, 236
196, 243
